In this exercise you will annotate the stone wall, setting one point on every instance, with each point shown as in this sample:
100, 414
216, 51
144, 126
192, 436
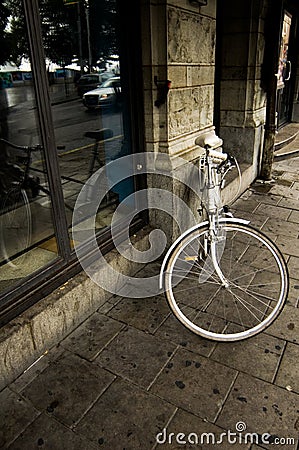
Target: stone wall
242, 98
242, 102
181, 50
295, 115
215, 58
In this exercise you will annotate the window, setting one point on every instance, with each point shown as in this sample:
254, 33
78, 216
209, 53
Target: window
71, 100
27, 235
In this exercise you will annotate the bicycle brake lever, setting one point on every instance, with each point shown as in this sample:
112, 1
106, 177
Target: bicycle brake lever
228, 164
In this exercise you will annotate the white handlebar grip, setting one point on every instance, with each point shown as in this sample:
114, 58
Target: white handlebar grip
218, 155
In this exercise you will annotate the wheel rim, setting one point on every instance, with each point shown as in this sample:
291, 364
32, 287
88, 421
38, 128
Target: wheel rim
257, 289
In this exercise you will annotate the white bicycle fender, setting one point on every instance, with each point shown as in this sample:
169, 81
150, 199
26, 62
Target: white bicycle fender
190, 230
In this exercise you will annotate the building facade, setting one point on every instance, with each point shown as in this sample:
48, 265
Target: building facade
185, 68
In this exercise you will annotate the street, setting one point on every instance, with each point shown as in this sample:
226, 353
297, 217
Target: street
71, 119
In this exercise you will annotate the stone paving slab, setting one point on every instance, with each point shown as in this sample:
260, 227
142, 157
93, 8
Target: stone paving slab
264, 408
125, 417
15, 415
49, 434
195, 383
285, 191
294, 217
293, 295
258, 356
174, 331
280, 227
293, 266
92, 336
145, 314
289, 204
289, 246
67, 388
197, 433
136, 356
287, 376
286, 326
273, 211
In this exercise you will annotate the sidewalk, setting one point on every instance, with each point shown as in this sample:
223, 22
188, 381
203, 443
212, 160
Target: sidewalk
131, 370
24, 95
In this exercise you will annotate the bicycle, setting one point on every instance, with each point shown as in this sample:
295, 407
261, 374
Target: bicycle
16, 220
224, 280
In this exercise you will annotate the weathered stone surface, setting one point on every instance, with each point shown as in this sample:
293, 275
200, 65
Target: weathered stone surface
125, 417
136, 356
258, 356
91, 337
195, 383
175, 332
286, 326
190, 108
15, 415
68, 387
287, 376
263, 408
45, 433
17, 351
145, 314
182, 46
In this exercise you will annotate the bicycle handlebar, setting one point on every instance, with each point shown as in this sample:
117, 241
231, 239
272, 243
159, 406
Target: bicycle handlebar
215, 154
24, 148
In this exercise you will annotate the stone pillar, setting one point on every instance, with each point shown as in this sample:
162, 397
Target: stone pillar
295, 114
242, 98
181, 50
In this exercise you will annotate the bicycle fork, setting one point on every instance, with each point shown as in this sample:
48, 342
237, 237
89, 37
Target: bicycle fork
214, 241
215, 245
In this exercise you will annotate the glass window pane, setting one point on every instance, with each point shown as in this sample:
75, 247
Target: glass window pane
88, 100
27, 240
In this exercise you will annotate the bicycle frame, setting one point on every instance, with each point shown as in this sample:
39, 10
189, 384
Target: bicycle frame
213, 210
210, 164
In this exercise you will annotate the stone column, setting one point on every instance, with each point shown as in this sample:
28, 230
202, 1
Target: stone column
295, 115
242, 98
182, 51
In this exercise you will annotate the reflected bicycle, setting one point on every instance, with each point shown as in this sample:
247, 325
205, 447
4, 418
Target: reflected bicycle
17, 187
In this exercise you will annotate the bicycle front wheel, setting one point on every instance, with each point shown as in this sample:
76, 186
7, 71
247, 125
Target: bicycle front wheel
15, 226
254, 291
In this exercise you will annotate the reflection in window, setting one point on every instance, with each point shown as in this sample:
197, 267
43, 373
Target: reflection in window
91, 128
27, 240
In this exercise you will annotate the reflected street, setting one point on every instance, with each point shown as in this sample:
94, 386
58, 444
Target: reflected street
71, 119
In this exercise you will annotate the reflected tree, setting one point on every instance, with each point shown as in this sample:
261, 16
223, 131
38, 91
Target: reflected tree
60, 29
4, 17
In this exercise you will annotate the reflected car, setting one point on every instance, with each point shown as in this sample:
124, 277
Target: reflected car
106, 95
90, 81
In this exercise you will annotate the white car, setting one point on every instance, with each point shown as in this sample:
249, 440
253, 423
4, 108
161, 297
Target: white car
105, 95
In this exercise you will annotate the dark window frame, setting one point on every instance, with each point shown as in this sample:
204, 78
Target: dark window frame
20, 297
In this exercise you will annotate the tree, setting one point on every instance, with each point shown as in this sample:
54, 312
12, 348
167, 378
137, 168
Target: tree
59, 24
59, 31
103, 30
4, 15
